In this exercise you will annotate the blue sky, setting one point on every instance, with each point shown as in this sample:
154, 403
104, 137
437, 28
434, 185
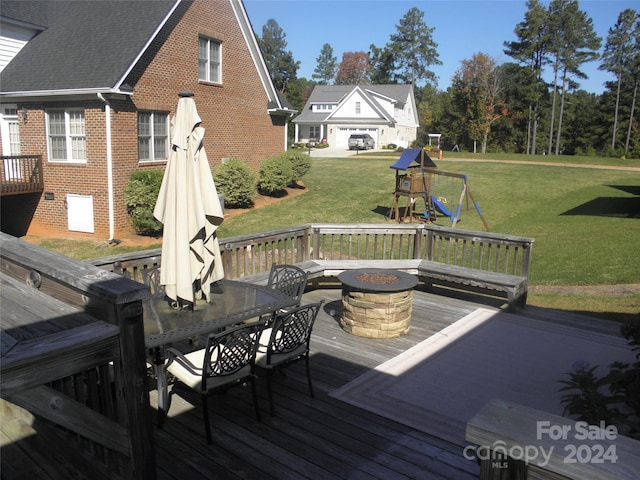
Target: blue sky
462, 28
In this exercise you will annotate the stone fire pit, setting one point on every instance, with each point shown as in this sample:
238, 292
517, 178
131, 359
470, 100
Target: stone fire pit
376, 302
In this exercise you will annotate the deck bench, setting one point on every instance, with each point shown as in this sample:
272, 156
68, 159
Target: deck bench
428, 271
513, 285
540, 445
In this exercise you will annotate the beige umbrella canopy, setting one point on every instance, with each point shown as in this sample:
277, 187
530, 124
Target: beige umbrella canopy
189, 208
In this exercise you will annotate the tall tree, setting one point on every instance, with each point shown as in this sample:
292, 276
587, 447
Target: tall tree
414, 49
326, 66
573, 42
634, 73
354, 69
529, 50
618, 56
280, 63
382, 65
477, 89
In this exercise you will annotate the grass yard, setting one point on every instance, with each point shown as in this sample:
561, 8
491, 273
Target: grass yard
585, 220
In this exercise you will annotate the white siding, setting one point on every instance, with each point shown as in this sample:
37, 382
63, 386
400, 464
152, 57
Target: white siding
12, 39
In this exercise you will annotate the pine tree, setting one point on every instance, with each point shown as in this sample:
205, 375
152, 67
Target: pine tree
529, 50
618, 55
413, 48
280, 63
326, 66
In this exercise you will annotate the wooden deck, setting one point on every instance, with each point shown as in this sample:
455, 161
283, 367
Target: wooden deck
312, 438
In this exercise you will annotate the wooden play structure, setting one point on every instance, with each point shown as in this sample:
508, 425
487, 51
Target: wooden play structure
419, 180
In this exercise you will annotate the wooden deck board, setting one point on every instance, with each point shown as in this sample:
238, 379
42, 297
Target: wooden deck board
314, 438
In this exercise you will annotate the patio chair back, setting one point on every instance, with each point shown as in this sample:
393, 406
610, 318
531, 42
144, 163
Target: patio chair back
288, 279
286, 340
151, 278
228, 360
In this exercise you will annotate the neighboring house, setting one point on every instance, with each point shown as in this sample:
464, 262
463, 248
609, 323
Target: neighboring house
90, 87
333, 112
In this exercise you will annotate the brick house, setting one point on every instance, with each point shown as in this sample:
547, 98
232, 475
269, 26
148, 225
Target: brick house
90, 87
334, 112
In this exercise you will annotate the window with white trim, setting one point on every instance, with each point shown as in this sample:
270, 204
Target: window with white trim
153, 136
66, 136
357, 108
314, 131
209, 60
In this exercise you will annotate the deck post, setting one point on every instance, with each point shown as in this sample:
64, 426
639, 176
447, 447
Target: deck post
132, 378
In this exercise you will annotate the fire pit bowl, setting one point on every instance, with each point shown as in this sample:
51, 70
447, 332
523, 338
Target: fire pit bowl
376, 302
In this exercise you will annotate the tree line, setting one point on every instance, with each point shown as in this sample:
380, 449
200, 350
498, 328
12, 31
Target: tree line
491, 107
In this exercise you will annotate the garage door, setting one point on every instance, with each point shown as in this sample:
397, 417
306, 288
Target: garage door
343, 134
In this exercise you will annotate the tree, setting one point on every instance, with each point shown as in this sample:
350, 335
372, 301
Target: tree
618, 56
280, 63
634, 73
530, 49
326, 66
354, 69
572, 42
477, 89
413, 48
382, 65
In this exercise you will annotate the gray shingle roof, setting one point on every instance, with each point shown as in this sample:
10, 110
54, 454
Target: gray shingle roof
335, 93
95, 41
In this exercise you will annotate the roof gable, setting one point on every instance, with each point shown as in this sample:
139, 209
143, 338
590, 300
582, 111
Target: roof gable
94, 41
375, 96
374, 109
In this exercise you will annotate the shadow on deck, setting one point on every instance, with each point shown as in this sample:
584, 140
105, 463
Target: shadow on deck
310, 438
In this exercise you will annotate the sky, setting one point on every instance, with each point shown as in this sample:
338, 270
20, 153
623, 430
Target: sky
462, 28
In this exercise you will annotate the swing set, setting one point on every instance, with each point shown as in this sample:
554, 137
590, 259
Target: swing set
439, 190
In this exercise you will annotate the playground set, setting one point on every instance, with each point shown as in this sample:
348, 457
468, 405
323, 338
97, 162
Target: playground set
417, 178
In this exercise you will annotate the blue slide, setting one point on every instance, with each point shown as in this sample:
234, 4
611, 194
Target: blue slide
441, 208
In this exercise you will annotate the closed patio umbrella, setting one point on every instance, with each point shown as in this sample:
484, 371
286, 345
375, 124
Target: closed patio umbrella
189, 208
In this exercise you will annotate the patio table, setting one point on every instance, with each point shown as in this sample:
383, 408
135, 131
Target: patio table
231, 302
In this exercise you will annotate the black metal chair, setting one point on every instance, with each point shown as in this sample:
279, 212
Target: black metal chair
151, 278
289, 280
286, 341
228, 360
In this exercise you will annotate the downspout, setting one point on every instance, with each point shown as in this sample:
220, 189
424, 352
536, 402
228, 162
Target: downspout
107, 113
286, 135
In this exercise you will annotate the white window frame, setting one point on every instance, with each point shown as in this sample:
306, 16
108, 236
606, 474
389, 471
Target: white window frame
314, 131
358, 108
207, 62
153, 135
71, 139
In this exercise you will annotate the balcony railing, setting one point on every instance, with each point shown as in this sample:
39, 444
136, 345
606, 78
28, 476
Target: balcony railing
21, 174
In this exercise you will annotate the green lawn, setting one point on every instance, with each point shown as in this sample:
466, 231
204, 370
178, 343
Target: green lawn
585, 221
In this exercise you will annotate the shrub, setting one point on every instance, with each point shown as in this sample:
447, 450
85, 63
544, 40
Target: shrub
140, 197
300, 162
237, 182
613, 398
275, 175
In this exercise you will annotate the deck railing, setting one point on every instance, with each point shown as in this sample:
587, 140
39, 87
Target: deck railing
254, 253
107, 406
21, 174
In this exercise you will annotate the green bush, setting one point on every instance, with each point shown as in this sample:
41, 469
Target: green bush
140, 197
275, 175
300, 162
237, 182
613, 398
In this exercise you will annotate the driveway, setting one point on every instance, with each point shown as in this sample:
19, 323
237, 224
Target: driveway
338, 152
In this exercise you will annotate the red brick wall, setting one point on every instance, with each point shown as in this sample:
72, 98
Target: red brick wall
234, 115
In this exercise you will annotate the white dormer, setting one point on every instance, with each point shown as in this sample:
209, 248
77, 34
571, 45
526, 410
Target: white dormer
13, 36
